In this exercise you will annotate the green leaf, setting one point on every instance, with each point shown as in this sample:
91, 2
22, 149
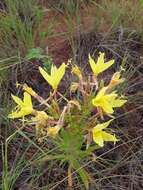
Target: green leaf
82, 173
48, 158
47, 62
89, 151
35, 53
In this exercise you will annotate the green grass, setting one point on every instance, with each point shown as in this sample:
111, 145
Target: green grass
19, 22
120, 13
19, 164
67, 5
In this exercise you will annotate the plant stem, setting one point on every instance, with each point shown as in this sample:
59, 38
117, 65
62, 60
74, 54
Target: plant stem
70, 181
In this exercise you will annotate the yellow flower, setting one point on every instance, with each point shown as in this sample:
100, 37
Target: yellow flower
53, 131
56, 75
23, 108
100, 66
115, 80
99, 136
77, 71
107, 101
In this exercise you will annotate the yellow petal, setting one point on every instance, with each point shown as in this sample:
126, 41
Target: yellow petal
47, 77
76, 71
27, 100
92, 64
101, 126
102, 65
105, 66
108, 137
97, 100
60, 73
118, 102
17, 100
105, 101
97, 137
101, 93
100, 60
106, 106
112, 95
53, 70
15, 115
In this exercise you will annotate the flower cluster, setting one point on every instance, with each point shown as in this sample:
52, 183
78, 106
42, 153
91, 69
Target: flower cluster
101, 100
75, 123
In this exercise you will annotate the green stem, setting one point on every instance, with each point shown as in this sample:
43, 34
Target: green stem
5, 167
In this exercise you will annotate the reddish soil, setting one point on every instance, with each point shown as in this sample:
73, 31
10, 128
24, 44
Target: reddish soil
58, 44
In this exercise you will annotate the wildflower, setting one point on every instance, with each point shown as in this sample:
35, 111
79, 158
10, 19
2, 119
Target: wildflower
23, 108
56, 75
108, 101
77, 71
115, 80
53, 131
99, 136
100, 66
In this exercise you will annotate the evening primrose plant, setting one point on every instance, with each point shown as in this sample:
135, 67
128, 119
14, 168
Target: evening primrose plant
75, 123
